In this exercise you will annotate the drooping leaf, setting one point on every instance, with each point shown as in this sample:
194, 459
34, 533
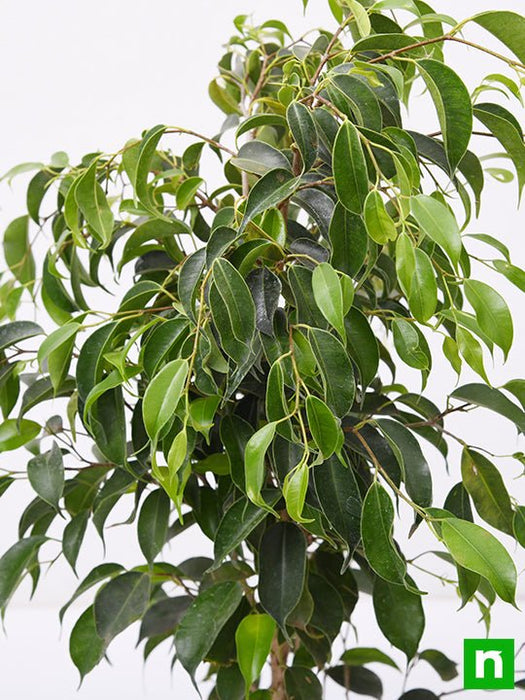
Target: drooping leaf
14, 562
86, 648
202, 623
376, 530
487, 490
121, 602
162, 395
323, 425
272, 189
93, 204
265, 288
153, 523
18, 331
492, 313
445, 667
328, 296
453, 105
365, 655
254, 462
399, 614
439, 224
304, 132
508, 27
336, 370
282, 559
493, 399
379, 224
350, 171
477, 550
253, 639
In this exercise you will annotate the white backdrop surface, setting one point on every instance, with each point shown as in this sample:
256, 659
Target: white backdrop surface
80, 76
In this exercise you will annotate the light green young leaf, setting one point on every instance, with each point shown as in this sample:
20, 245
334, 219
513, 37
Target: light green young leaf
438, 223
361, 17
17, 251
422, 298
379, 224
471, 351
324, 426
328, 296
254, 463
294, 491
253, 639
46, 475
162, 396
508, 27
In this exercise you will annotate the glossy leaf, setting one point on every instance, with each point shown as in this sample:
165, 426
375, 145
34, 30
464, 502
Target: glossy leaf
328, 296
439, 224
46, 475
479, 551
253, 639
492, 313
162, 395
399, 614
86, 648
121, 602
304, 132
282, 560
323, 425
153, 524
272, 189
350, 171
17, 251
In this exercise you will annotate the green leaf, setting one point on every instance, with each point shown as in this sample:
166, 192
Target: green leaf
144, 164
46, 475
328, 296
415, 468
407, 344
438, 223
94, 206
17, 251
14, 434
380, 226
518, 525
508, 27
513, 273
187, 191
152, 527
399, 614
336, 371
14, 562
502, 125
99, 573
205, 618
17, 331
340, 499
254, 463
323, 425
272, 189
477, 550
162, 396
422, 297
73, 536
265, 288
258, 120
362, 345
164, 616
121, 602
446, 668
376, 530
492, 313
495, 400
233, 311
358, 679
253, 639
304, 132
57, 349
349, 241
241, 518
471, 351
86, 648
453, 105
294, 491
487, 489
282, 561
358, 656
350, 170
302, 684
361, 17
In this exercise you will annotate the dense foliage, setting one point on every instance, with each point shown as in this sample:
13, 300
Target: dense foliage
244, 383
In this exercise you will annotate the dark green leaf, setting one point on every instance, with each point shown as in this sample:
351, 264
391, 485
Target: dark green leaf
302, 684
14, 562
358, 656
304, 132
46, 475
121, 602
203, 621
358, 679
73, 536
272, 189
400, 615
446, 668
492, 313
153, 524
482, 395
336, 371
350, 171
16, 332
282, 560
86, 648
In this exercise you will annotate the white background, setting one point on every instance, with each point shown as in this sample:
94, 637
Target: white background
80, 76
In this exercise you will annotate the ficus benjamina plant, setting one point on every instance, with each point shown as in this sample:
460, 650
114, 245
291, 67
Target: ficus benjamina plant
223, 357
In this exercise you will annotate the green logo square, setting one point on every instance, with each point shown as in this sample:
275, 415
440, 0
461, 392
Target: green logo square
488, 664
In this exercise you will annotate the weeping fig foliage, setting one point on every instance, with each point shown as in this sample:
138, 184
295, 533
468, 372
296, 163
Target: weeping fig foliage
222, 357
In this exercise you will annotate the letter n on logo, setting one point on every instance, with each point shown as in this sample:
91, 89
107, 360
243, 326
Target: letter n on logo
488, 664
